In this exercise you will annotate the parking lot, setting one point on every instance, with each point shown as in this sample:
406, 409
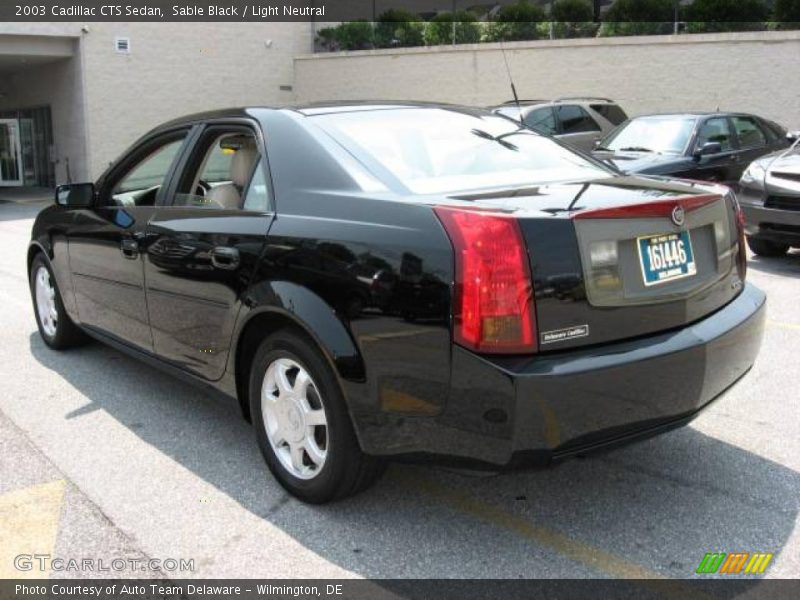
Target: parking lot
102, 456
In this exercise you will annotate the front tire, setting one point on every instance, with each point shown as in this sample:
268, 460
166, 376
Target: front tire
56, 328
767, 247
302, 424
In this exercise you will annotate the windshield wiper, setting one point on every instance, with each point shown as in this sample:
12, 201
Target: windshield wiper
603, 148
636, 149
499, 139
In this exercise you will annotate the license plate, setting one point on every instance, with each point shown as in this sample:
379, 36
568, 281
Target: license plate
666, 257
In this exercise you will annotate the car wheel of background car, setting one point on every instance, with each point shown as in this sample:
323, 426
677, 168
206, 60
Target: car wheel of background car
56, 328
302, 424
766, 247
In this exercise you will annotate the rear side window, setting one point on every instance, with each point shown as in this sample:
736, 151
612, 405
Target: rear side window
610, 112
574, 119
542, 120
749, 132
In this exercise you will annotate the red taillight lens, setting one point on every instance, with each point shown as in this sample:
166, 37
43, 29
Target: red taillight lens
493, 302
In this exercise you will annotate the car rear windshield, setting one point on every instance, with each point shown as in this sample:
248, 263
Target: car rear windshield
667, 135
444, 150
612, 112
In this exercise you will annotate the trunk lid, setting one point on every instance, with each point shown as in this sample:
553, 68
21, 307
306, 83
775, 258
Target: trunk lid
624, 257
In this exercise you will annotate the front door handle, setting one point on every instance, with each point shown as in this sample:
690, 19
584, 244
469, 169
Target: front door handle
130, 248
224, 257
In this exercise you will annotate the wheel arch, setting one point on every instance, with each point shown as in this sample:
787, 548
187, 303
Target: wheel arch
312, 318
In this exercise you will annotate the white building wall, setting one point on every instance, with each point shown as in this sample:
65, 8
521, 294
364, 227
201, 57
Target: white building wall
754, 72
174, 69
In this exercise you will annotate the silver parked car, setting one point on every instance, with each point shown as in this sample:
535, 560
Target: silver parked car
770, 199
579, 122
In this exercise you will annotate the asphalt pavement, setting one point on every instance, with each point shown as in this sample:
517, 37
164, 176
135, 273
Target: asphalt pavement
102, 457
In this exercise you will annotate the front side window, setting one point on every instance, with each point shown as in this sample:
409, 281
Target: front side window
748, 132
664, 135
220, 170
716, 130
437, 150
139, 184
574, 119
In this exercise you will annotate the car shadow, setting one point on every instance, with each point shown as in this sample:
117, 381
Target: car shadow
789, 264
661, 504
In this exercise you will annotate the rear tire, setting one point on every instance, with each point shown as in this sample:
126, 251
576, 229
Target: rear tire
767, 247
56, 328
302, 424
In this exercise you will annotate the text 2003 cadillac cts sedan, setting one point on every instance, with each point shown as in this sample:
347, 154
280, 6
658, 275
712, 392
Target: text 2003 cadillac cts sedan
390, 280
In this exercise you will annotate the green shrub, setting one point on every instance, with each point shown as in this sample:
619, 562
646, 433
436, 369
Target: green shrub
351, 35
520, 21
726, 15
398, 27
439, 29
639, 17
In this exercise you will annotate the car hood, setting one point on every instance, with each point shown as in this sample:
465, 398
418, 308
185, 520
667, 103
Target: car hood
787, 164
640, 162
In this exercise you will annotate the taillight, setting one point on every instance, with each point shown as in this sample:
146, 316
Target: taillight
493, 307
741, 257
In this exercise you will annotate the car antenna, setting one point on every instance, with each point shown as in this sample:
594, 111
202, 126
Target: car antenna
511, 81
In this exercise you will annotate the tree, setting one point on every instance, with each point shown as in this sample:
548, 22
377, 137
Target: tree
398, 27
573, 18
350, 35
787, 14
726, 15
520, 21
639, 17
572, 11
440, 29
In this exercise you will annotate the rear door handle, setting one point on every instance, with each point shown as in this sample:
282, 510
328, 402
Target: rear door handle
224, 257
130, 248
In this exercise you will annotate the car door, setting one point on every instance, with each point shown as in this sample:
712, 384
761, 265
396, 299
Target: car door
752, 141
721, 166
105, 241
204, 244
576, 127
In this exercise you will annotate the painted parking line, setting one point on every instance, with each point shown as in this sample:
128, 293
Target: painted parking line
29, 520
782, 325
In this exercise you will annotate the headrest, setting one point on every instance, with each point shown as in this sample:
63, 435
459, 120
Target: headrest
242, 163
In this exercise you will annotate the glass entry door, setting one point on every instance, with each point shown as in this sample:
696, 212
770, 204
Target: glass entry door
10, 153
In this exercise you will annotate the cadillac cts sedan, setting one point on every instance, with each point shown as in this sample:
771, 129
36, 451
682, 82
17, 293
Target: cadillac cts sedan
417, 281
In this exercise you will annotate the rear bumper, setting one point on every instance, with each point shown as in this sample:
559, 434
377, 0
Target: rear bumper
516, 411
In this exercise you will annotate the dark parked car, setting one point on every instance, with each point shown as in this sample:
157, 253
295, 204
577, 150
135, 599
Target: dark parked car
770, 198
709, 147
577, 121
537, 304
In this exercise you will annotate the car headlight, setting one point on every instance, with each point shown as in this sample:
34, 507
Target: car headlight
754, 174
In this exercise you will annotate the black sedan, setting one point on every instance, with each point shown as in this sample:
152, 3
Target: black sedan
403, 280
710, 147
770, 198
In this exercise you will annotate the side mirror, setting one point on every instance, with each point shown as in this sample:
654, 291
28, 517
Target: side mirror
708, 149
793, 136
75, 195
597, 143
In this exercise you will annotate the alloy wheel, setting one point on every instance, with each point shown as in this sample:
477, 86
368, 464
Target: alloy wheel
46, 302
294, 418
